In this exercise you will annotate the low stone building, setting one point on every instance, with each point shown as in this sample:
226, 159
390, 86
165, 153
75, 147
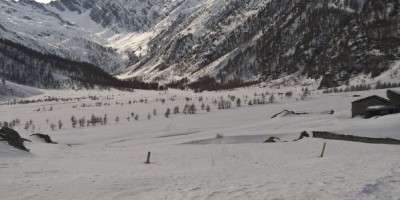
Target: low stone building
373, 111
360, 107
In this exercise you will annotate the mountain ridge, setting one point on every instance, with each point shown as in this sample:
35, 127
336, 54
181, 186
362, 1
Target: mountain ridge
169, 40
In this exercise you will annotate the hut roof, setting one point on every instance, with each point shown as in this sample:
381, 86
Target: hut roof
372, 97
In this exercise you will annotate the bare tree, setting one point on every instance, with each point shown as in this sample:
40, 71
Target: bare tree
60, 124
105, 119
306, 92
154, 112
27, 125
176, 110
272, 98
203, 106
82, 122
192, 109
208, 108
186, 109
167, 113
238, 102
74, 121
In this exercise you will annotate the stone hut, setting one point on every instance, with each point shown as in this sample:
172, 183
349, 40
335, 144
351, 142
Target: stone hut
360, 107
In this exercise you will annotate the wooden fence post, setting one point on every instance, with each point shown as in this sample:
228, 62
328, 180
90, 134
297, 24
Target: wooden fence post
148, 158
323, 150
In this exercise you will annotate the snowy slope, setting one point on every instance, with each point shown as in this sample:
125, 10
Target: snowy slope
34, 26
332, 41
106, 162
267, 40
189, 34
12, 90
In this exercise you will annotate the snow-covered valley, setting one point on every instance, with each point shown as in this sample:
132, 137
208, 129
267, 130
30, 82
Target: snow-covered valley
72, 69
107, 161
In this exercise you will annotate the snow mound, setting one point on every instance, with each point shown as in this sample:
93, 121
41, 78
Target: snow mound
12, 90
7, 151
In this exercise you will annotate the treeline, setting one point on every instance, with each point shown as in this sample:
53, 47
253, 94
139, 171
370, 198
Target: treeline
320, 29
29, 67
208, 83
362, 87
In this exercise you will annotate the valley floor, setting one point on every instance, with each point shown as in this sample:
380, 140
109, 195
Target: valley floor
187, 162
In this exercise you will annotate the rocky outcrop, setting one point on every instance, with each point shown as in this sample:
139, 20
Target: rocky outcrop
12, 138
303, 135
44, 137
272, 140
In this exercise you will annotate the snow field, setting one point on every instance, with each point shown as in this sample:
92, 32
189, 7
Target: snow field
107, 162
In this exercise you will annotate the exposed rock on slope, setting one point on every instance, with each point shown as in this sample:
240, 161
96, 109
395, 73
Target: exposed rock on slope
44, 137
13, 138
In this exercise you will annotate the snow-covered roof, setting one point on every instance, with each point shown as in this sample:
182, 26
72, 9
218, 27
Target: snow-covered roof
379, 107
370, 97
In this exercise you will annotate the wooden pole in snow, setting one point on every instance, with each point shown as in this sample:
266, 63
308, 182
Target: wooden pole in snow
148, 158
323, 150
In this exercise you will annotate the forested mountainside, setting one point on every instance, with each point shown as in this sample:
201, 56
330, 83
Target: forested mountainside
332, 39
25, 66
169, 40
